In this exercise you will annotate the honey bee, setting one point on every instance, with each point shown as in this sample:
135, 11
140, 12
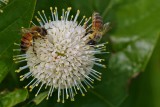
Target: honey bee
97, 30
28, 36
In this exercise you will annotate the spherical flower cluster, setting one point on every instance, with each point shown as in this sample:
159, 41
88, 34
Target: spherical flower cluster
62, 60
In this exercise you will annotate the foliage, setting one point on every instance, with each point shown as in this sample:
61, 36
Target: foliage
133, 38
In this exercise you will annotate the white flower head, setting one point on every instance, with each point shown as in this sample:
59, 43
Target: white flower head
62, 60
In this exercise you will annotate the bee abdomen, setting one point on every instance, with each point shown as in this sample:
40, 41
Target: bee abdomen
97, 23
25, 45
26, 42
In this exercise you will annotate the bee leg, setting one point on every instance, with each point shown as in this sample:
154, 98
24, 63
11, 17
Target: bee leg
88, 32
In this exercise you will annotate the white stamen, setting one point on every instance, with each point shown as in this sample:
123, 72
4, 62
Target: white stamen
45, 16
41, 17
52, 13
76, 15
22, 68
33, 23
68, 11
30, 83
49, 92
88, 26
56, 14
39, 89
59, 91
81, 20
52, 91
21, 61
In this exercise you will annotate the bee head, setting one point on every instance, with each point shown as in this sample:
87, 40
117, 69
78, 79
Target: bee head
39, 31
43, 32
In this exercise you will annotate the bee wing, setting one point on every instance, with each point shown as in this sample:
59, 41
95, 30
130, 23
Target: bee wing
106, 27
25, 30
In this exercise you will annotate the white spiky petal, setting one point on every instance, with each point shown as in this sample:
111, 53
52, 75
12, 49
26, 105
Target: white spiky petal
63, 60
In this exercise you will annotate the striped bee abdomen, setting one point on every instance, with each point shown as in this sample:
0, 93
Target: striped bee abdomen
26, 41
97, 22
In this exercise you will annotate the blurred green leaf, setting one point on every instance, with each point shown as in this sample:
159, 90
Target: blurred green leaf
17, 13
38, 99
3, 68
135, 37
145, 90
13, 98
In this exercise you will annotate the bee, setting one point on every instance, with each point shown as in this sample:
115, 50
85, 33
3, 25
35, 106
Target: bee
29, 36
97, 30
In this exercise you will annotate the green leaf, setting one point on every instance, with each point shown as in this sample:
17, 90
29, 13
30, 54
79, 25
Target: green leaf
13, 98
135, 37
38, 99
2, 68
145, 88
17, 13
